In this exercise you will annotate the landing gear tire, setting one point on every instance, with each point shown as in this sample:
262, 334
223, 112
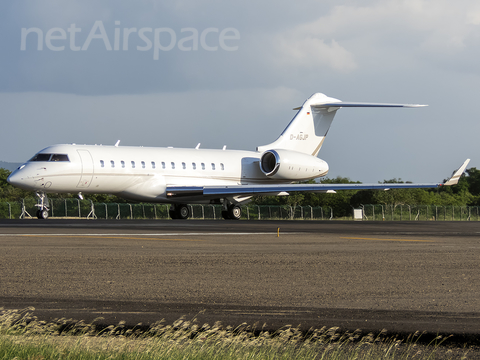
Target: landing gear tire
234, 212
225, 215
181, 212
172, 213
42, 214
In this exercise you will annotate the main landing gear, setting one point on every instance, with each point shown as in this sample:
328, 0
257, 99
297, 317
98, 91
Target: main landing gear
42, 212
231, 211
182, 211
179, 211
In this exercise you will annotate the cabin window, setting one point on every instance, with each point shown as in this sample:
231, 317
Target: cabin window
203, 166
222, 167
194, 166
153, 164
163, 164
133, 164
213, 166
41, 157
59, 157
112, 163
143, 164
123, 163
173, 165
184, 166
102, 163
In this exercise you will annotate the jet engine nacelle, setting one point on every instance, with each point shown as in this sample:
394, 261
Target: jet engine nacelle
291, 165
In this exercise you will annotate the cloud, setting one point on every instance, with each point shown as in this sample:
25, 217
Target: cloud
307, 52
397, 31
307, 41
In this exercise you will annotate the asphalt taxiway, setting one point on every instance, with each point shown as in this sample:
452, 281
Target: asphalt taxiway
399, 276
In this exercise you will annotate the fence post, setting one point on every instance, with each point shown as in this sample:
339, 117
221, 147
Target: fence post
258, 208
22, 215
118, 212
364, 215
9, 210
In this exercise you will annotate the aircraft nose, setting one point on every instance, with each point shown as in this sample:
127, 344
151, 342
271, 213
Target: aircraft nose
14, 178
17, 179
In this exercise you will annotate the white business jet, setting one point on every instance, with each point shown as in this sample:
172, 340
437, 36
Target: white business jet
185, 176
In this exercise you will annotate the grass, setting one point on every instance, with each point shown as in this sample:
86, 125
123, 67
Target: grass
23, 336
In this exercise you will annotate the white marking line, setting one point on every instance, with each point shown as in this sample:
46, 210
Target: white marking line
143, 234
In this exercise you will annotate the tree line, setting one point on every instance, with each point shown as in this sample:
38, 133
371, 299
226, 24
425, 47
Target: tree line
465, 193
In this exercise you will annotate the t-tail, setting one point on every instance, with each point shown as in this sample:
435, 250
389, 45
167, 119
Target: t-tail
308, 129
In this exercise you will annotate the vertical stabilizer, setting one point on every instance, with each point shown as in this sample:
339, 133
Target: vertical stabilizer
307, 130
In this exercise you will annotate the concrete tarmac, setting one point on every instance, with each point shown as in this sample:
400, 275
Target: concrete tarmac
399, 276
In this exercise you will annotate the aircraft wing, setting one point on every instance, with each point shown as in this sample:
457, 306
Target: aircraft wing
283, 189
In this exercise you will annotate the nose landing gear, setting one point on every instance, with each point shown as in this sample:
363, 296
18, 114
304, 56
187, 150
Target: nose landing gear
42, 212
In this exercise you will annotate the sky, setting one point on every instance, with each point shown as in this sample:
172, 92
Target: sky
178, 73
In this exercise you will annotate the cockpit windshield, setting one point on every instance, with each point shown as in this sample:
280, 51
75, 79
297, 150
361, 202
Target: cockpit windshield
59, 157
50, 157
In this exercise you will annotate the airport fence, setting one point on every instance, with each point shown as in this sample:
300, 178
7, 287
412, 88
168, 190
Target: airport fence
76, 208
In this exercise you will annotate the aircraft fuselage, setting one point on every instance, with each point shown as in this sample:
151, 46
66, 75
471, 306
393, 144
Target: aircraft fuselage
143, 173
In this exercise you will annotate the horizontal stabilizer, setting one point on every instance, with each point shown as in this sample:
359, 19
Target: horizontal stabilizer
360, 104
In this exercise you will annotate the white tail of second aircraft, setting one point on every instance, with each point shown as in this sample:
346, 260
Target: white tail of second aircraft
308, 129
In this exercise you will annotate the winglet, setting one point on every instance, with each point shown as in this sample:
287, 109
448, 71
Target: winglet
456, 174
